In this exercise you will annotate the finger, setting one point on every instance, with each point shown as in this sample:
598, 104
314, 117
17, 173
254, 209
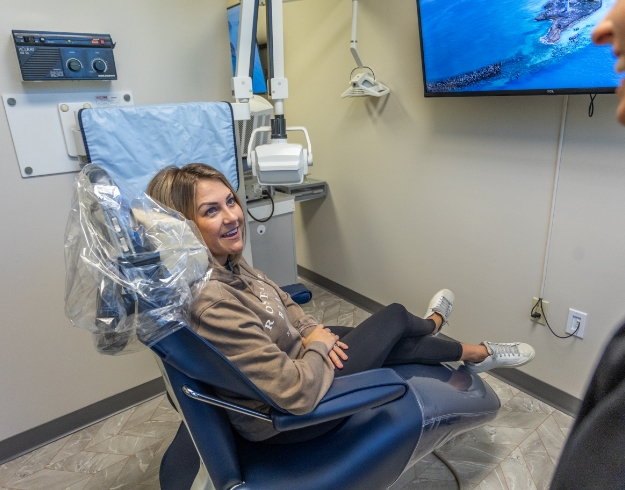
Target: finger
342, 345
339, 352
335, 359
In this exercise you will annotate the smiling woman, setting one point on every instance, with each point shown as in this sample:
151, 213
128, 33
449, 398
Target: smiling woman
219, 218
204, 196
285, 352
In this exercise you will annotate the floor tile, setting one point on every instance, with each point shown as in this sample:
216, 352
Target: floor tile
87, 462
359, 316
38, 460
564, 421
152, 471
471, 473
143, 412
49, 480
169, 416
500, 435
8, 469
526, 403
126, 445
331, 314
538, 461
77, 442
405, 478
103, 479
478, 452
520, 420
552, 437
503, 390
424, 463
111, 427
153, 428
518, 476
135, 467
431, 485
494, 481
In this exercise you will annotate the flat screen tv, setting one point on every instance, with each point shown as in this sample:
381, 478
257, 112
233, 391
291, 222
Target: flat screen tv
514, 47
259, 85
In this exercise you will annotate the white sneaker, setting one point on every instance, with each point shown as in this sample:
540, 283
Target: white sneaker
441, 303
503, 356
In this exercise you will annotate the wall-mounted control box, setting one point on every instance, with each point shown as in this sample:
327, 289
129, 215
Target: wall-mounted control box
52, 56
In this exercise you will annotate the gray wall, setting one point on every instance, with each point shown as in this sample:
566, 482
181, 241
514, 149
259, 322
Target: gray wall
432, 193
48, 367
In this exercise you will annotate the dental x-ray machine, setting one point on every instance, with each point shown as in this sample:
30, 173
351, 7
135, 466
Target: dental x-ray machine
278, 162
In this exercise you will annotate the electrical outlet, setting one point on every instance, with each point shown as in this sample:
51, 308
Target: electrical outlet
542, 311
576, 323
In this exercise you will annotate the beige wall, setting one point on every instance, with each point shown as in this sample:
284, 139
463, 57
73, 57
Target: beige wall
166, 52
432, 193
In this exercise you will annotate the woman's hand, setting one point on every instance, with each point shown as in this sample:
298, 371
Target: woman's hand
335, 347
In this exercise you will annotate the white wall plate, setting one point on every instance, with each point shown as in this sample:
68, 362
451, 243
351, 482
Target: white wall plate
36, 130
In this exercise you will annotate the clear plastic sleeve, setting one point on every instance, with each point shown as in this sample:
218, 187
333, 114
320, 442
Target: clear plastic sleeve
132, 266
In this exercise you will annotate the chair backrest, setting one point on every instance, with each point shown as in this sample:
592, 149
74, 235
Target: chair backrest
189, 360
135, 142
184, 349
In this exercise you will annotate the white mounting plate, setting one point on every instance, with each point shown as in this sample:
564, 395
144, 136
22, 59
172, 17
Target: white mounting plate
38, 137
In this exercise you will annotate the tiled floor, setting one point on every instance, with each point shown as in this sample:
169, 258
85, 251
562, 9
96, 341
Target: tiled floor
517, 451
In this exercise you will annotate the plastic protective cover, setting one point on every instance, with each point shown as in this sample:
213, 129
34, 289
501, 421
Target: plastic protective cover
132, 265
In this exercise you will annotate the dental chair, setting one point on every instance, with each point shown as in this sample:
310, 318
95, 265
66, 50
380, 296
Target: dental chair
133, 268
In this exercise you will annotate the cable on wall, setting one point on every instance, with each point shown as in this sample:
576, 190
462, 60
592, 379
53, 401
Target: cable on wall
554, 198
591, 106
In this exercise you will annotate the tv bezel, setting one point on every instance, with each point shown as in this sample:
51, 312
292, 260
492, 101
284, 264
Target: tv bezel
488, 93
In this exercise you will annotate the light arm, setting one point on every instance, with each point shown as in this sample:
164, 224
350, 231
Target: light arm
242, 81
354, 44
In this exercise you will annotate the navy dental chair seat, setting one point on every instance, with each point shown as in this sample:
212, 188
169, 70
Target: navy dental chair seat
392, 418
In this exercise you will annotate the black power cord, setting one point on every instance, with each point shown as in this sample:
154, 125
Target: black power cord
534, 314
273, 207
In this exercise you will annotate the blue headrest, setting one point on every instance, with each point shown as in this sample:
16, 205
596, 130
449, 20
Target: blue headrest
135, 142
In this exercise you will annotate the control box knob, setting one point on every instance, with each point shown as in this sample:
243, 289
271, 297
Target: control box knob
99, 65
74, 64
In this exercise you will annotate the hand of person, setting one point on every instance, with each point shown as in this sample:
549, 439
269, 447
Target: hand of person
336, 354
335, 347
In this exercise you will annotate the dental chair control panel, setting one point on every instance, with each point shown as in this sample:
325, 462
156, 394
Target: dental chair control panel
52, 56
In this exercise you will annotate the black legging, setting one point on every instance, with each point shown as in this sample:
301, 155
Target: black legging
393, 335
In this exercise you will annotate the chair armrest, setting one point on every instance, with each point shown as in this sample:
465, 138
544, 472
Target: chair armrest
347, 395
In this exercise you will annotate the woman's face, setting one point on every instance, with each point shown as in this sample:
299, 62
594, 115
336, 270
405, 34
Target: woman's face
611, 30
219, 219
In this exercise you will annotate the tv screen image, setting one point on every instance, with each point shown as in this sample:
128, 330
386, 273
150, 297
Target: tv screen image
509, 47
259, 85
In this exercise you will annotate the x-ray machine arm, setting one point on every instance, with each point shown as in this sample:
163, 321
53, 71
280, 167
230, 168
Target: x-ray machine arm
279, 162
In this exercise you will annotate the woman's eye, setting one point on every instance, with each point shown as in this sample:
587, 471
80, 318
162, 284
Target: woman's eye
211, 211
231, 201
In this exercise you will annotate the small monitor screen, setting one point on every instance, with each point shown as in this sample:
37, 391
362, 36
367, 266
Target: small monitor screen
258, 78
505, 47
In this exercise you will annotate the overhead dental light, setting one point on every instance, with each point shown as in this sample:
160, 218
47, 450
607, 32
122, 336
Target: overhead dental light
362, 84
278, 162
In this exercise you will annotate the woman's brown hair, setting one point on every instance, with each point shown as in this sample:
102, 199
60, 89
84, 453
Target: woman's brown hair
174, 187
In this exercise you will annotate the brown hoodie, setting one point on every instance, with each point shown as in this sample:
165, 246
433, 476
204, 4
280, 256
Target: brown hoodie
259, 328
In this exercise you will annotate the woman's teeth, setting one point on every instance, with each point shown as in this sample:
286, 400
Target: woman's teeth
230, 233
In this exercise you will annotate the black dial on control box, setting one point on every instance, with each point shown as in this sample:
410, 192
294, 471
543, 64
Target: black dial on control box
99, 65
74, 65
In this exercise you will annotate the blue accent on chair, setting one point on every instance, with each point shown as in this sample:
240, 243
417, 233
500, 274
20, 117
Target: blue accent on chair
298, 292
417, 410
135, 142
